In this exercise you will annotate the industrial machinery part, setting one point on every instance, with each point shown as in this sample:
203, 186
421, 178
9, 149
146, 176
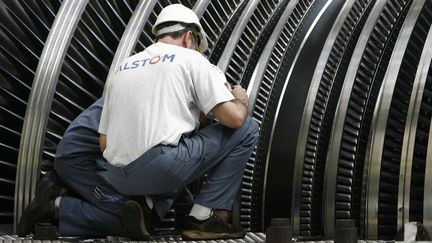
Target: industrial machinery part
341, 90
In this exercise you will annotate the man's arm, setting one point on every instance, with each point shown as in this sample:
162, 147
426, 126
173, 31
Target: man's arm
102, 142
233, 113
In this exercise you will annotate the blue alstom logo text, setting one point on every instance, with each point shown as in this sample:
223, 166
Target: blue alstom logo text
149, 61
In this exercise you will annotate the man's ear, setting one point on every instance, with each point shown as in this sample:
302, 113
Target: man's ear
187, 39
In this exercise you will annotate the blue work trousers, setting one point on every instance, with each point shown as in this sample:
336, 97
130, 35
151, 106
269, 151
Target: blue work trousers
96, 209
219, 151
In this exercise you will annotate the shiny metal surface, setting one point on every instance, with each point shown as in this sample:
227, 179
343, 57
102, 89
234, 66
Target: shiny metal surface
381, 114
308, 112
264, 60
200, 7
427, 203
39, 103
259, 90
216, 18
131, 34
342, 99
310, 209
411, 128
23, 36
235, 35
333, 157
253, 39
262, 20
267, 67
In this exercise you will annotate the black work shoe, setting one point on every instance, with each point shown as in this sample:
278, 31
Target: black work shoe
41, 208
212, 228
151, 218
137, 221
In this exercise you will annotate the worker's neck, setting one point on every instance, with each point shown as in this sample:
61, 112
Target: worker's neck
172, 41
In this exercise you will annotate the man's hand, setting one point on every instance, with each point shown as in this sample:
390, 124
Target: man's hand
102, 142
240, 94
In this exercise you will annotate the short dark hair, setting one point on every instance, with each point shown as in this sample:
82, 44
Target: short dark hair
176, 34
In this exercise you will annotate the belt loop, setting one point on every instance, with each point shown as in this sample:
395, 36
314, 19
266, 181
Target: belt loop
123, 171
165, 148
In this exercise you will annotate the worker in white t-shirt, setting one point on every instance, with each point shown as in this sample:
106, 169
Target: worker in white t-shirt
151, 110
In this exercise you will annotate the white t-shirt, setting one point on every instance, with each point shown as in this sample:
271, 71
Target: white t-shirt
154, 97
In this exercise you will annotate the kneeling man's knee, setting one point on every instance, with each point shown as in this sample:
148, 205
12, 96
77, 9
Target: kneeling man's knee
252, 125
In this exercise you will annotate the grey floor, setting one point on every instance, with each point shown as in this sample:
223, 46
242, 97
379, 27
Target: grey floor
250, 237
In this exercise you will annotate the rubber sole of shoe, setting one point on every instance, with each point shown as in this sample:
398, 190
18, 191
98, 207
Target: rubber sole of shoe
133, 218
203, 235
25, 225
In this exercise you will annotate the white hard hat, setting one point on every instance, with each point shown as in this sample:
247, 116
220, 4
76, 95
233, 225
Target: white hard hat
181, 14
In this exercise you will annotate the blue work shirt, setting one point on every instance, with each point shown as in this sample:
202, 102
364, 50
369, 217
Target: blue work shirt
80, 141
